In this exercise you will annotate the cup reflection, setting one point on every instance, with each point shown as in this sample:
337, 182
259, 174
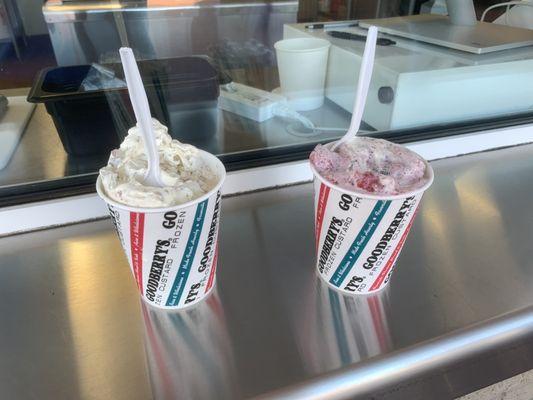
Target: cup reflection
342, 329
189, 352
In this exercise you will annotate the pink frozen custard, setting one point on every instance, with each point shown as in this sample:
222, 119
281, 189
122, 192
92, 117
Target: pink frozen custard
372, 166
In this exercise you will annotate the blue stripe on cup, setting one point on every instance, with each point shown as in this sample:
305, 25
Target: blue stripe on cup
340, 334
360, 242
188, 255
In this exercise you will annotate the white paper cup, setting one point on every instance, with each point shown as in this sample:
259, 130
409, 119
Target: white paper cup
172, 251
359, 236
302, 64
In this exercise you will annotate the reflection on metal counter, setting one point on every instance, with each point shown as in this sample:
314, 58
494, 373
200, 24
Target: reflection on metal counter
416, 84
338, 329
189, 352
83, 32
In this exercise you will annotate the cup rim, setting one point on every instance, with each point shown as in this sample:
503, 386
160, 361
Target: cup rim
325, 44
222, 176
422, 189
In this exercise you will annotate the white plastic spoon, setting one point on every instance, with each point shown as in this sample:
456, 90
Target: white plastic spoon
142, 114
365, 75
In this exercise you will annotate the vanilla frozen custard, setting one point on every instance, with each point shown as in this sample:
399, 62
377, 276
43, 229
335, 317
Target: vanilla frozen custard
183, 171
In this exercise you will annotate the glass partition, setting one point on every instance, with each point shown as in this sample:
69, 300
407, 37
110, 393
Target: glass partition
255, 82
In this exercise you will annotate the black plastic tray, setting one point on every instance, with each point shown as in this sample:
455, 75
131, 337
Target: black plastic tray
95, 121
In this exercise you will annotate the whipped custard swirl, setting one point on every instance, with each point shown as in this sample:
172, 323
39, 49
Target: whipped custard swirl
183, 171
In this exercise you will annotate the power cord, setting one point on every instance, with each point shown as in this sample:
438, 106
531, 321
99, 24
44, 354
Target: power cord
506, 4
260, 105
309, 128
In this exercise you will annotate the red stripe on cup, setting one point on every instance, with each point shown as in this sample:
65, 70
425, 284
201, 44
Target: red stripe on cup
168, 386
214, 304
321, 209
213, 270
136, 239
377, 319
381, 277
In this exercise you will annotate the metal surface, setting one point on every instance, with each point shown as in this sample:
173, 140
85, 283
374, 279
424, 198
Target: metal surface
89, 9
89, 31
480, 38
74, 327
40, 155
13, 24
366, 378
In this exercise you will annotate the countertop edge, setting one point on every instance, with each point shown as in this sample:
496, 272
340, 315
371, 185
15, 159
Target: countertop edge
390, 369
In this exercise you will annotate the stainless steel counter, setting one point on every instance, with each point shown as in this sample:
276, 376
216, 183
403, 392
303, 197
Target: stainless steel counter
89, 31
74, 327
40, 154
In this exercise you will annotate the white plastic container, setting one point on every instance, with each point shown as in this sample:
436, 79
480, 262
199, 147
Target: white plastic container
302, 65
359, 236
172, 251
